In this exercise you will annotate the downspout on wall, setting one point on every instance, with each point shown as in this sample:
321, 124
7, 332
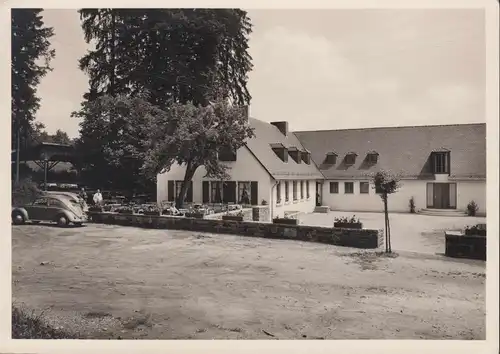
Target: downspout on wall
271, 203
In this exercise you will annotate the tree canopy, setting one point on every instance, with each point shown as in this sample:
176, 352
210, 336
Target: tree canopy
31, 55
163, 57
183, 134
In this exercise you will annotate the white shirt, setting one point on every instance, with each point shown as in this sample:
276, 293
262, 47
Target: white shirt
97, 197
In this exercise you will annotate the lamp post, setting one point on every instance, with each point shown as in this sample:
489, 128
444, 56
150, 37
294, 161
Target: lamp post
45, 163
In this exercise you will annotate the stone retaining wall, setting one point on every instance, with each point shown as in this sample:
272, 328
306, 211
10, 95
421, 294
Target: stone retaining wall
364, 238
247, 214
462, 246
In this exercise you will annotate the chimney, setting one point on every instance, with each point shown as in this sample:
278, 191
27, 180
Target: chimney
282, 126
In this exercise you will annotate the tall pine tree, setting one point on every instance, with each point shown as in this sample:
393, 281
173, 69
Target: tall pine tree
31, 55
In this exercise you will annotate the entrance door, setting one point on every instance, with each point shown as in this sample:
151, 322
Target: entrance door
318, 193
441, 195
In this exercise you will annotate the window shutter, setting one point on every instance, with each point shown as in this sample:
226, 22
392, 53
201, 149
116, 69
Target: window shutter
254, 191
430, 195
205, 192
170, 191
229, 193
189, 192
453, 195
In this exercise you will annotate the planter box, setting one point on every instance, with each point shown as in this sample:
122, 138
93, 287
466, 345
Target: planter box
194, 215
285, 221
95, 210
477, 232
232, 217
348, 225
462, 246
126, 212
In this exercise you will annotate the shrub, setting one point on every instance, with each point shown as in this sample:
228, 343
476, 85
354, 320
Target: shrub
472, 208
24, 192
263, 202
412, 205
27, 325
346, 220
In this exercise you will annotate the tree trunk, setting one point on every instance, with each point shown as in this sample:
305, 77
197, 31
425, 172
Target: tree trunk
388, 225
386, 219
190, 170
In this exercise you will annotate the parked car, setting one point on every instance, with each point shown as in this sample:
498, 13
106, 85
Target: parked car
75, 198
52, 208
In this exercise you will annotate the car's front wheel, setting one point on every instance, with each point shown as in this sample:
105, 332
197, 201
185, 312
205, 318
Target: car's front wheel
18, 218
62, 221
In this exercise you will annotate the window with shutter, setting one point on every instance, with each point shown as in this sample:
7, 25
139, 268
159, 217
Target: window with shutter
205, 192
229, 192
254, 192
170, 191
334, 187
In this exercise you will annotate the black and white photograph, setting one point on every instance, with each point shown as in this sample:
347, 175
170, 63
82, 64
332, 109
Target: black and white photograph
214, 173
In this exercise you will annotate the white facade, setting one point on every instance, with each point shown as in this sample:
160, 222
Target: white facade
246, 168
466, 191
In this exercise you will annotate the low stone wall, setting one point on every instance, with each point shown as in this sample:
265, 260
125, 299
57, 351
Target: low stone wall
364, 238
462, 246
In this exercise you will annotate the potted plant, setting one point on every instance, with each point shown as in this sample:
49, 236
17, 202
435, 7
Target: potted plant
348, 223
476, 230
286, 220
195, 213
233, 217
152, 210
472, 208
412, 205
125, 210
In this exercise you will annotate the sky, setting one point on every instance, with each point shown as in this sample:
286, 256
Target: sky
326, 69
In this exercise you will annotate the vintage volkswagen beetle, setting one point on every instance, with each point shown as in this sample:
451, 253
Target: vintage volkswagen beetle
50, 208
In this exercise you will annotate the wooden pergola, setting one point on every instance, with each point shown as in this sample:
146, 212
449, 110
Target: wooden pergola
46, 156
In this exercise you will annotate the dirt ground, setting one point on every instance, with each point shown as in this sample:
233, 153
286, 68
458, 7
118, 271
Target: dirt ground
410, 232
121, 282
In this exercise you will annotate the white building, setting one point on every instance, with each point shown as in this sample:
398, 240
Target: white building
273, 167
443, 167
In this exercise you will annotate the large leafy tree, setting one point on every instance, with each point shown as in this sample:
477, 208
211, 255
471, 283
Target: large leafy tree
166, 56
182, 134
31, 55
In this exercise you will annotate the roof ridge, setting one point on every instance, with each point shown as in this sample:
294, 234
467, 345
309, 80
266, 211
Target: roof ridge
393, 127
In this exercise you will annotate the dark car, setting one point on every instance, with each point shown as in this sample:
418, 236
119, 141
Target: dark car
52, 208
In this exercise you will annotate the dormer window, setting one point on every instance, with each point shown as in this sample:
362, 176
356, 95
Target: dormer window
280, 151
227, 154
295, 154
350, 158
372, 157
306, 157
331, 158
441, 161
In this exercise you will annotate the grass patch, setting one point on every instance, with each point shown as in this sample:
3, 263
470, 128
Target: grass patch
28, 325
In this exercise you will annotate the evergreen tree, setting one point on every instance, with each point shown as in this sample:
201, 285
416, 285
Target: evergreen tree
31, 55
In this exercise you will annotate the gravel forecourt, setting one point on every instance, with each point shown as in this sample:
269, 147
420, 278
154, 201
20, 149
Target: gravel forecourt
104, 281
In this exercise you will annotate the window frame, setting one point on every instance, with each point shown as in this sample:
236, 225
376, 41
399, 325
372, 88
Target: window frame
336, 189
364, 183
351, 184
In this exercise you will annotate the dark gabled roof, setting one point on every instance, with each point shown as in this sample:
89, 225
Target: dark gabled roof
260, 145
403, 150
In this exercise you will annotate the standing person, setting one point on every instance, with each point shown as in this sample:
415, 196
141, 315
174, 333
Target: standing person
83, 198
98, 198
